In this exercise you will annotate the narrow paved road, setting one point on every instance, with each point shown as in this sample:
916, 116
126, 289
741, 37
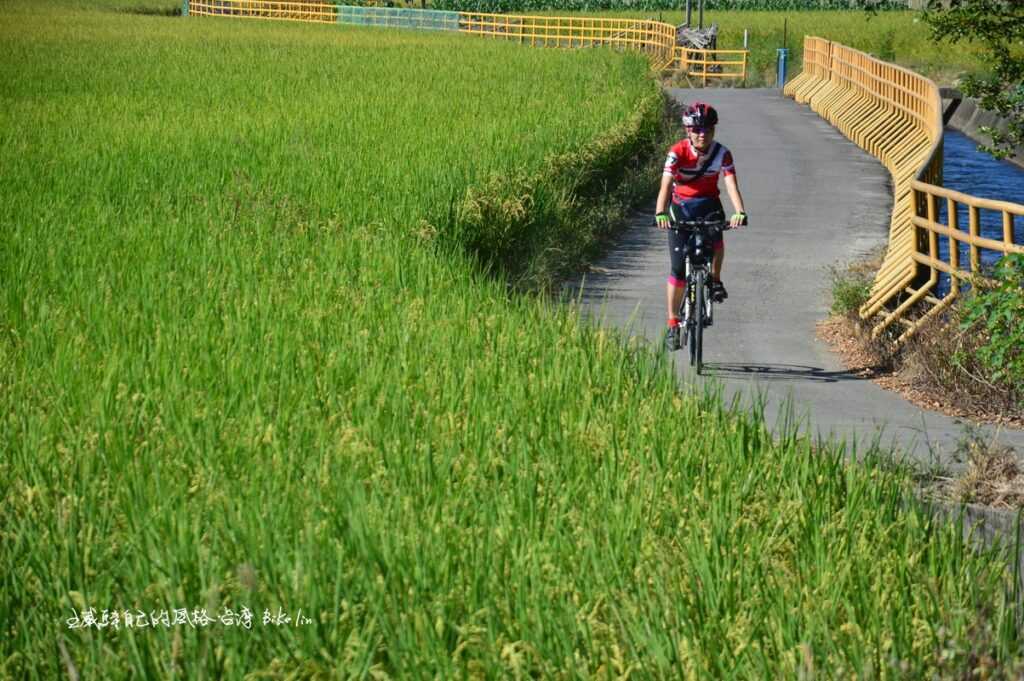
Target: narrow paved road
814, 200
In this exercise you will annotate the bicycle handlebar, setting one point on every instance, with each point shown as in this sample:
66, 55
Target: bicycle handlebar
680, 225
689, 224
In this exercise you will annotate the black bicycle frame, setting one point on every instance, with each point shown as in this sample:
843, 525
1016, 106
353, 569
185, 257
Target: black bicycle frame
701, 235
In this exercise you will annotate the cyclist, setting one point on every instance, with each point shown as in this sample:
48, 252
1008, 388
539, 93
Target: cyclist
691, 176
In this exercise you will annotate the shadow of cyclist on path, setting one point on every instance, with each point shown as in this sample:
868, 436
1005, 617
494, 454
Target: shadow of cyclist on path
783, 372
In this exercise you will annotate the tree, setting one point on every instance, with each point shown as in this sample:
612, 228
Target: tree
998, 25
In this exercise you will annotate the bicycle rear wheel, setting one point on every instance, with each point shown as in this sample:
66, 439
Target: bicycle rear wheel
697, 319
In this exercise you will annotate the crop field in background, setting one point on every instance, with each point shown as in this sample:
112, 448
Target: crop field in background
257, 349
895, 36
899, 37
584, 6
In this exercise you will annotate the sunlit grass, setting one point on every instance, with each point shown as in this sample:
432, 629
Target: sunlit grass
246, 360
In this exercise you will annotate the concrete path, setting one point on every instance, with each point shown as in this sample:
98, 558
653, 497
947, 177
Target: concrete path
814, 200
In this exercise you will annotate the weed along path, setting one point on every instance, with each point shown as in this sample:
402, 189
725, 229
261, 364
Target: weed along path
814, 199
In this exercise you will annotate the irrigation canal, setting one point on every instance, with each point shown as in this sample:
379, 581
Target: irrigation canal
970, 171
814, 200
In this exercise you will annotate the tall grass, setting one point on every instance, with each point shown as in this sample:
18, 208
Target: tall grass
248, 357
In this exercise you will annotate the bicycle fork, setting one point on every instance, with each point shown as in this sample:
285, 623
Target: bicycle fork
689, 298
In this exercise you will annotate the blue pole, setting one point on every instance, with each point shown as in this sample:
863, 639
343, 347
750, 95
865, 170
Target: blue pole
781, 77
184, 8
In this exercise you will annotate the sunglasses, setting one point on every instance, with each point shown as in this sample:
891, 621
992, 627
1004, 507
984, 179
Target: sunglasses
699, 130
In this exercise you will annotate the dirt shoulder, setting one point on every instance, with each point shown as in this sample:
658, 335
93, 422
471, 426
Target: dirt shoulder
841, 335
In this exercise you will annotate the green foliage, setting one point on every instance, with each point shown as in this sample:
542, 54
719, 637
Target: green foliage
997, 312
998, 26
851, 287
886, 50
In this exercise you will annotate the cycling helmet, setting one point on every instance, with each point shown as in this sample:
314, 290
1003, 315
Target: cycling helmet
700, 115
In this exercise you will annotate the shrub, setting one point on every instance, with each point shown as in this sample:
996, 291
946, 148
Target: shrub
851, 286
996, 312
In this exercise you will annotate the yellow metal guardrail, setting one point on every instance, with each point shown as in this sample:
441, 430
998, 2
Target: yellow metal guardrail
294, 10
654, 38
928, 255
705, 64
896, 115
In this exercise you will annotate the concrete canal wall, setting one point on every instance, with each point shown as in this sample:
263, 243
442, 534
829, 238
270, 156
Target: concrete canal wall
965, 115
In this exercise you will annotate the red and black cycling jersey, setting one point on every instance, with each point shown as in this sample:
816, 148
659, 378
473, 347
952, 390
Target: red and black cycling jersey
684, 163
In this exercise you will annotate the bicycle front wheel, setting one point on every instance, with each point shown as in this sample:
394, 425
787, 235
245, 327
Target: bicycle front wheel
697, 319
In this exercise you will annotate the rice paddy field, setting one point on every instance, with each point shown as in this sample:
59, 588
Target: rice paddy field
270, 407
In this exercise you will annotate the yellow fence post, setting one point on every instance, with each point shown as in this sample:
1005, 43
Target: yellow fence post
973, 228
953, 218
933, 238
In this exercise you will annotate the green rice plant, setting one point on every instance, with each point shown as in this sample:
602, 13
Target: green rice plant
248, 359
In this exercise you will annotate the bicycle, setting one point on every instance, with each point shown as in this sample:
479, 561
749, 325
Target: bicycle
696, 311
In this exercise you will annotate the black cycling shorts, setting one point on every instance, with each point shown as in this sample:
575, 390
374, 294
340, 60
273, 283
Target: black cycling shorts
691, 209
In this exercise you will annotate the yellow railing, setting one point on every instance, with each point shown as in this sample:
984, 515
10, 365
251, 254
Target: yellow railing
705, 64
896, 115
654, 38
928, 196
296, 10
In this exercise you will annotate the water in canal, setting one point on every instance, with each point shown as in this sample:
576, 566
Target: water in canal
967, 170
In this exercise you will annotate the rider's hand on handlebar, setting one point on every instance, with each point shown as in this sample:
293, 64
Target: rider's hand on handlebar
738, 220
662, 220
